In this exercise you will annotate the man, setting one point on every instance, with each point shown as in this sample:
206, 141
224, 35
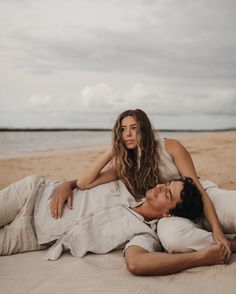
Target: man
103, 218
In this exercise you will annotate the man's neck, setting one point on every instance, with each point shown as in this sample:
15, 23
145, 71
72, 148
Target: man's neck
145, 211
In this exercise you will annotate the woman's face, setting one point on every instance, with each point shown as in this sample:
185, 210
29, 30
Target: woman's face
129, 128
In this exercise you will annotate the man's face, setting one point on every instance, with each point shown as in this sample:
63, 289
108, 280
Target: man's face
164, 197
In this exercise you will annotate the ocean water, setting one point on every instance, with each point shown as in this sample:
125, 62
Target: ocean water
16, 143
20, 142
106, 120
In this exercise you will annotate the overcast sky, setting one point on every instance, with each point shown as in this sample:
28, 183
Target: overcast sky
165, 56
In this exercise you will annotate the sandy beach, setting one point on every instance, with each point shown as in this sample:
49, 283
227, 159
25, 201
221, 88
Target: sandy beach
213, 154
214, 157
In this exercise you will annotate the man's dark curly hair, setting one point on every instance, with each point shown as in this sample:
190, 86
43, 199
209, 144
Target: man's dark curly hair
191, 205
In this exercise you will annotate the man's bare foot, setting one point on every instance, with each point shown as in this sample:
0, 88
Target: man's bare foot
214, 254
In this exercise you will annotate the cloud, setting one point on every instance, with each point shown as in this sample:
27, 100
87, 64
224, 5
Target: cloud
142, 51
163, 56
105, 98
40, 100
169, 39
102, 97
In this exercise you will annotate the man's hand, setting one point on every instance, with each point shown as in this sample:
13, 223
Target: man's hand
214, 254
62, 194
219, 237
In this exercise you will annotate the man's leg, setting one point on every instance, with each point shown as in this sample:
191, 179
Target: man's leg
16, 213
13, 198
178, 234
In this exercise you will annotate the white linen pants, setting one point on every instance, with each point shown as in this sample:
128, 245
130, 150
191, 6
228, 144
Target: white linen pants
178, 234
17, 233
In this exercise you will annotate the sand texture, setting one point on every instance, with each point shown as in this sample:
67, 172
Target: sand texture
214, 156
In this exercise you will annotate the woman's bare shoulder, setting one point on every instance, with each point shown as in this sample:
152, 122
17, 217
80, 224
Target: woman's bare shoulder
171, 145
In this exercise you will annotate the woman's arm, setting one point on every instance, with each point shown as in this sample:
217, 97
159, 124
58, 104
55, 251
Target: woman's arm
185, 166
104, 177
93, 176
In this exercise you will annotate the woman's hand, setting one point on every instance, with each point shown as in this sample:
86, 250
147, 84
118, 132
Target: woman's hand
219, 237
62, 194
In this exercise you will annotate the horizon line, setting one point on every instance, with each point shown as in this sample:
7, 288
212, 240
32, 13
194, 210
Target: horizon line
106, 130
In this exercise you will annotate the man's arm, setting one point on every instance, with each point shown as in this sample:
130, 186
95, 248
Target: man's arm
140, 262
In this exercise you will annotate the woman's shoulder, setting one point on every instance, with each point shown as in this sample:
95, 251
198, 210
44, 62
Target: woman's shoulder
171, 145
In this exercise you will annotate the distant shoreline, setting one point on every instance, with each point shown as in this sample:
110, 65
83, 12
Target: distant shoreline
107, 130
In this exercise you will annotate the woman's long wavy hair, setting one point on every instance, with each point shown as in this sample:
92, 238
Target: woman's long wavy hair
138, 168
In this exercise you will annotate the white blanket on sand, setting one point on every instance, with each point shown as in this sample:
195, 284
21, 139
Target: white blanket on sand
30, 273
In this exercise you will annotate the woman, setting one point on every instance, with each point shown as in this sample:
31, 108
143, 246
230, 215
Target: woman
141, 160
